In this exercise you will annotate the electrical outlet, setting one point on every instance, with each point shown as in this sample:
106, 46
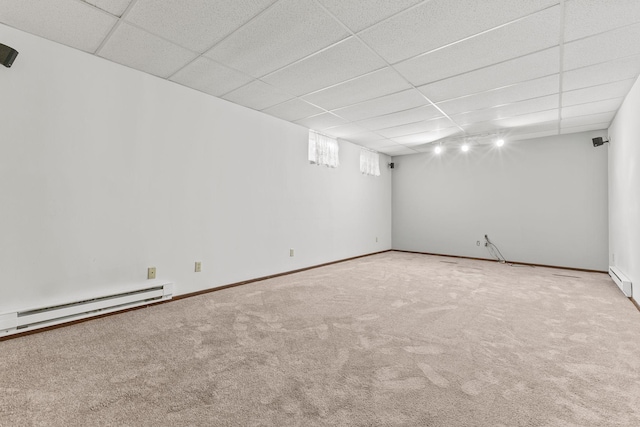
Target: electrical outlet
290, 252
198, 267
376, 239
151, 273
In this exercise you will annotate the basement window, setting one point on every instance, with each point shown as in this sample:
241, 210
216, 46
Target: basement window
323, 150
369, 162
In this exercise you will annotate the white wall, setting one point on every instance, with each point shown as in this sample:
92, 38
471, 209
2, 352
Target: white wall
105, 171
624, 188
541, 201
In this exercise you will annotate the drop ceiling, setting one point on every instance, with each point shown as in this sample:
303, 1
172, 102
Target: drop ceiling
394, 76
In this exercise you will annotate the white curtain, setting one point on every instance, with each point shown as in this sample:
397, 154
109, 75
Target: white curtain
369, 162
323, 150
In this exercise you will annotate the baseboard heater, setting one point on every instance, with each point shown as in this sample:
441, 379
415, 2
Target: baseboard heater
621, 280
41, 317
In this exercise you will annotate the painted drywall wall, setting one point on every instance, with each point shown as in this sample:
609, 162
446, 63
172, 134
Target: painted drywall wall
541, 201
624, 189
105, 171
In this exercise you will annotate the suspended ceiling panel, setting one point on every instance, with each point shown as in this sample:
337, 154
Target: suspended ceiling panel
197, 24
114, 7
292, 110
360, 14
260, 46
258, 95
504, 95
73, 23
144, 51
437, 23
597, 93
403, 117
528, 35
372, 85
395, 76
211, 77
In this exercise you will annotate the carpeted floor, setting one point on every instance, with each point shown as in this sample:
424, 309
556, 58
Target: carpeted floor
393, 339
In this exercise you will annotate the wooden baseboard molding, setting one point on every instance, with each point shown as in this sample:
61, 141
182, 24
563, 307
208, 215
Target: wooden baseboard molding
183, 296
507, 262
272, 276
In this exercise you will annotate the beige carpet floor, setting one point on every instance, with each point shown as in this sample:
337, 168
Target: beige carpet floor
393, 339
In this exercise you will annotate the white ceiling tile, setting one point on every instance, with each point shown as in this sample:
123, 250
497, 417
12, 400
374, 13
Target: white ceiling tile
602, 47
412, 115
584, 128
371, 140
210, 77
343, 61
543, 103
372, 85
385, 104
69, 22
528, 119
343, 131
533, 135
360, 14
321, 121
517, 70
586, 17
425, 137
439, 22
379, 147
504, 127
597, 93
534, 33
487, 131
505, 95
292, 110
597, 107
114, 7
543, 126
430, 147
397, 151
588, 119
422, 146
138, 49
285, 33
418, 127
619, 69
489, 127
257, 95
198, 24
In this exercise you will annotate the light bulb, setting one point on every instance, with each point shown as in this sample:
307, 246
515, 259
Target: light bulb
438, 149
500, 142
465, 148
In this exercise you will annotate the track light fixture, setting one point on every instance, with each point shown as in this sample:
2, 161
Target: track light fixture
465, 147
500, 142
